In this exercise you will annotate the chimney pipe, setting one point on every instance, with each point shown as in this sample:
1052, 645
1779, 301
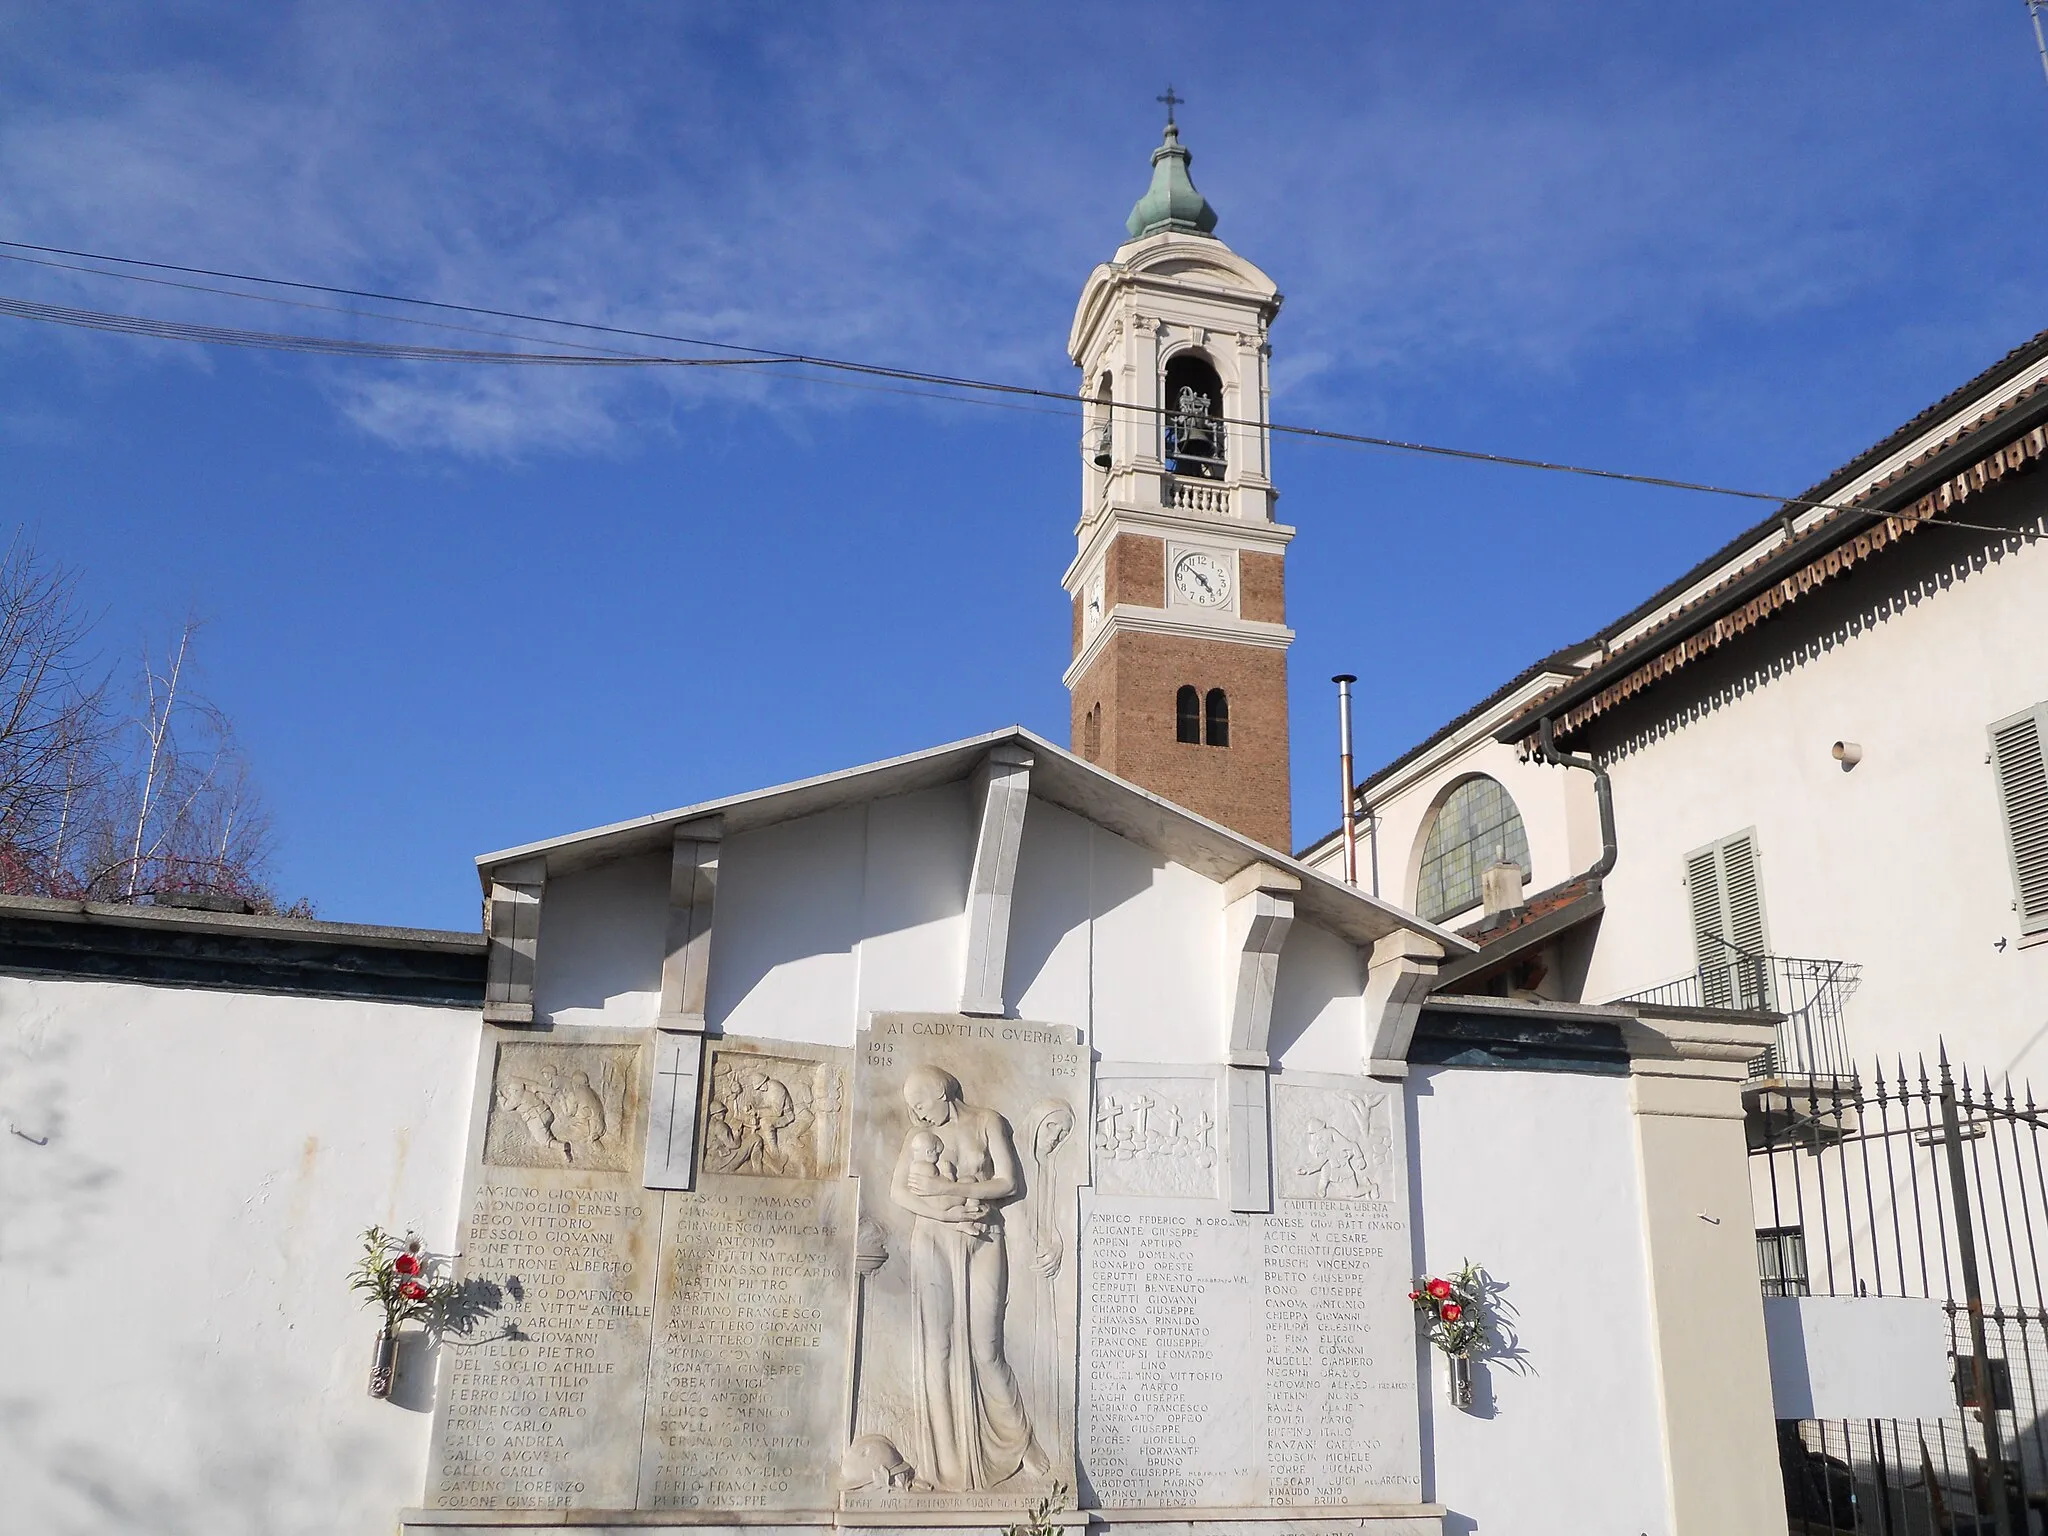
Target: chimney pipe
1344, 680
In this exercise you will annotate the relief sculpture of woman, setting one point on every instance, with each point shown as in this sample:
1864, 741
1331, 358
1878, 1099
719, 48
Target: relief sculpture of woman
956, 1169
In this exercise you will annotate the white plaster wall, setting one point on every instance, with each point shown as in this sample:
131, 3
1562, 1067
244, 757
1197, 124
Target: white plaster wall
825, 920
1318, 1004
1157, 952
182, 1354
1534, 1175
1899, 865
602, 932
1050, 964
786, 927
920, 851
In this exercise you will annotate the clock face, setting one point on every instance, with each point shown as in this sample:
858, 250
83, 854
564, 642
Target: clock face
1202, 580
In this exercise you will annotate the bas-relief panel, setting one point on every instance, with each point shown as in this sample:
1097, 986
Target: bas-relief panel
772, 1114
964, 1142
1332, 1142
560, 1106
1155, 1132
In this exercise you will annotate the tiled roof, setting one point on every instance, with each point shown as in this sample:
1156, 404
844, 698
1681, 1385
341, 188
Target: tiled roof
1542, 904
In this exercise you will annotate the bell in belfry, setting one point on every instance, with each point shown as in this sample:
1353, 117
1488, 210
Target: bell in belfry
1194, 429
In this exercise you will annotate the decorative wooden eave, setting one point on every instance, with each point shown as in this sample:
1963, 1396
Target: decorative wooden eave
1944, 475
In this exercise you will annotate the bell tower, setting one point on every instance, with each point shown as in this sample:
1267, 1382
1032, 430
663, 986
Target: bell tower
1179, 675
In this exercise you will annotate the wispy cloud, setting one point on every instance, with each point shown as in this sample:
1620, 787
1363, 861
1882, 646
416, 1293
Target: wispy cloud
929, 186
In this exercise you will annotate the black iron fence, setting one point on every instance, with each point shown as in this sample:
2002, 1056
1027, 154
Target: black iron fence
1911, 1181
1811, 994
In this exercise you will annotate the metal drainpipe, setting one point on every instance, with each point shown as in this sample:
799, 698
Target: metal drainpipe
1547, 752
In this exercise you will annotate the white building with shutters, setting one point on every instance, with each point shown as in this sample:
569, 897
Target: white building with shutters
1824, 752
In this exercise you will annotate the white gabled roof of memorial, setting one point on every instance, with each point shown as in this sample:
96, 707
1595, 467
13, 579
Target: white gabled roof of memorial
1057, 777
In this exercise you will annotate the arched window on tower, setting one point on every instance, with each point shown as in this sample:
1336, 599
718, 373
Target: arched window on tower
1091, 733
1192, 418
1477, 825
1219, 718
1187, 716
1098, 443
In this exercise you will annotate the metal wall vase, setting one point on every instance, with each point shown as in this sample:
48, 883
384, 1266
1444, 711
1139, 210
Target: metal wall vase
1460, 1385
384, 1364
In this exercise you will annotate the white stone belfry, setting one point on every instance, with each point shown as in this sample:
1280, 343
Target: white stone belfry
1172, 295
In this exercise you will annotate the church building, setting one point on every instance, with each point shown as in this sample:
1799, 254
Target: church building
1008, 1132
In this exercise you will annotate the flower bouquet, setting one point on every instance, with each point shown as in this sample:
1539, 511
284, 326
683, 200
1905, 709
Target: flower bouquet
392, 1274
1453, 1312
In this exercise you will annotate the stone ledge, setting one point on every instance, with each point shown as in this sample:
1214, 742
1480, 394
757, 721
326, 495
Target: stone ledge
1281, 1520
232, 952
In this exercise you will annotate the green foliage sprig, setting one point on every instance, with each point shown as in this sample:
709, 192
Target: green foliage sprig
392, 1275
1039, 1521
1453, 1310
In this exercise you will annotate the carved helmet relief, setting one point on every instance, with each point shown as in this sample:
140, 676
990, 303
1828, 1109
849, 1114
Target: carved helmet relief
559, 1106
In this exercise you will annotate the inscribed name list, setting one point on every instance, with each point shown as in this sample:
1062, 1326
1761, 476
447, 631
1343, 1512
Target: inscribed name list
1243, 1360
1171, 1384
556, 1249
747, 1391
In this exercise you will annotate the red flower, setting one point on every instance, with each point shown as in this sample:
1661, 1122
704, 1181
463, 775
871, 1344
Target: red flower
1415, 1295
412, 1290
406, 1264
1451, 1311
1440, 1289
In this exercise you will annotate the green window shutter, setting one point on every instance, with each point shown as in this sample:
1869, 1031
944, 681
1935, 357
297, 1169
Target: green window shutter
1728, 923
2016, 760
1703, 882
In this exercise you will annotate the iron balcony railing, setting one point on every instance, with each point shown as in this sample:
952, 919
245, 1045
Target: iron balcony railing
1811, 994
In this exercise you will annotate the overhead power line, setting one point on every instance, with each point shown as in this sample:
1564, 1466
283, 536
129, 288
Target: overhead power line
338, 346
593, 356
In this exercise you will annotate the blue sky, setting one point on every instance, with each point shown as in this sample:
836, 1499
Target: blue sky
458, 609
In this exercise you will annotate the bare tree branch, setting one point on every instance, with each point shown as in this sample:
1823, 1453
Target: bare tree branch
152, 803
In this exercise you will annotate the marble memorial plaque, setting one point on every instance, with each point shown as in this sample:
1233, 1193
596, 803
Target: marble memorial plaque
1341, 1423
965, 1145
747, 1391
1156, 1131
1170, 1365
1259, 1360
534, 1410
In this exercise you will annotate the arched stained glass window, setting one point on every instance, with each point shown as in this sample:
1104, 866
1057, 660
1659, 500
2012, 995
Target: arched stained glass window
1477, 826
1187, 715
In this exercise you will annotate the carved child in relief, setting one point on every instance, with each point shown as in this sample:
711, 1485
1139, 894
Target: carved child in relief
927, 1151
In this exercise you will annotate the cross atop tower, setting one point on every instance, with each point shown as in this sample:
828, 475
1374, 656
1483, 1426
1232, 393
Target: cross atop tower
1171, 101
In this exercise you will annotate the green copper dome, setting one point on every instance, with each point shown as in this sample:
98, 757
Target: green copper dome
1171, 202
